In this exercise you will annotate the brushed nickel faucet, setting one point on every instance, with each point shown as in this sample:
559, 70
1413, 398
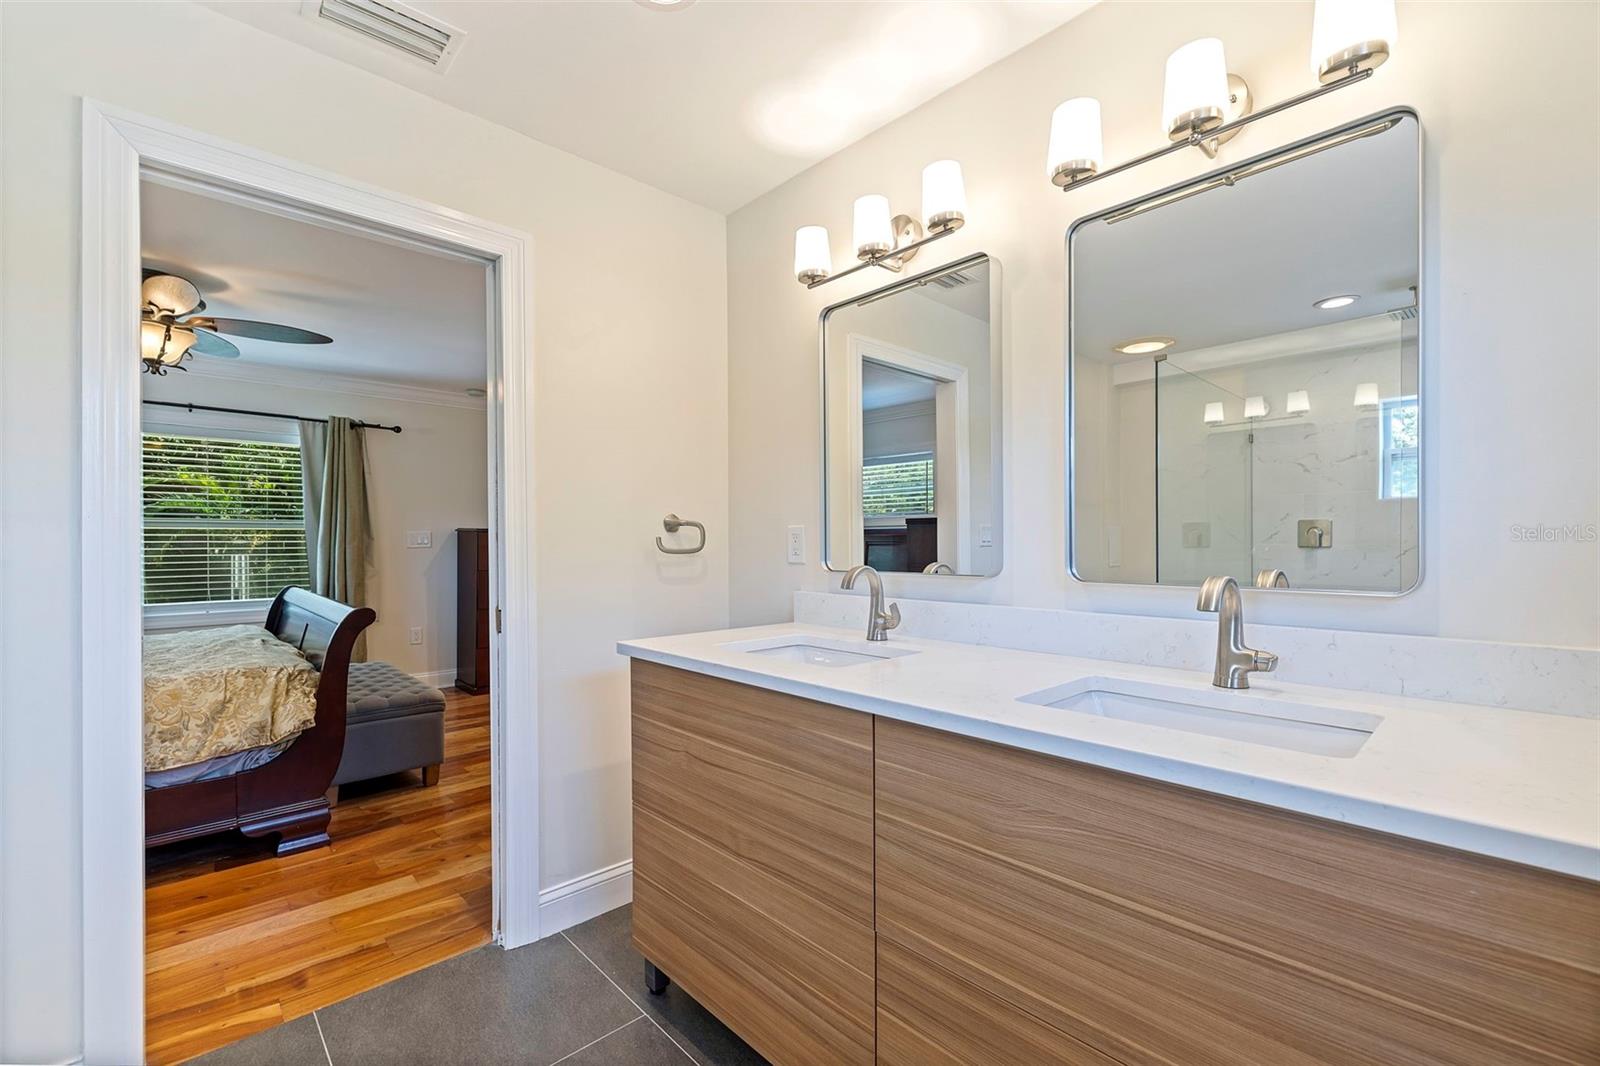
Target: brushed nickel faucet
1272, 579
879, 621
1235, 662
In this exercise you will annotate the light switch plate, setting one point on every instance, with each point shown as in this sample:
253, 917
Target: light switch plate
419, 538
416, 634
1197, 534
797, 544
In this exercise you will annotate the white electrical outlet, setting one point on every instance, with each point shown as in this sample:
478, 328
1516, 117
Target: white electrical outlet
419, 538
416, 634
797, 544
985, 535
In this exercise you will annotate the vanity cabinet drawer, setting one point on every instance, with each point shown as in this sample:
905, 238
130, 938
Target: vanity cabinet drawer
753, 867
1155, 924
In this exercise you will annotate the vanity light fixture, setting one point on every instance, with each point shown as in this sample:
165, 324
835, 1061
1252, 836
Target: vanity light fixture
1255, 407
812, 260
1076, 150
1367, 394
944, 194
874, 229
1203, 105
1213, 415
1144, 345
884, 239
1298, 402
1333, 303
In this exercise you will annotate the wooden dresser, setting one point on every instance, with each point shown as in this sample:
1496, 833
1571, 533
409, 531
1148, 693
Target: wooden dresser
472, 610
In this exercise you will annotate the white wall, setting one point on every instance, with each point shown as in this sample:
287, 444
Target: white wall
631, 418
434, 476
1508, 302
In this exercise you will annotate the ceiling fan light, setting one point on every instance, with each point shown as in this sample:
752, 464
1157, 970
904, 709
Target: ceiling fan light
162, 345
169, 294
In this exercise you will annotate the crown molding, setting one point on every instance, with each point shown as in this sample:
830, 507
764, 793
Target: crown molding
314, 381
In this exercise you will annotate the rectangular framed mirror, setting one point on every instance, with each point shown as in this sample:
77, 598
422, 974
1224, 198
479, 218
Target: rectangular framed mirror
1244, 372
911, 425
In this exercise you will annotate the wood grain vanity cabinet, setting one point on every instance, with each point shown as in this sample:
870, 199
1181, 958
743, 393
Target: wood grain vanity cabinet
1032, 910
752, 867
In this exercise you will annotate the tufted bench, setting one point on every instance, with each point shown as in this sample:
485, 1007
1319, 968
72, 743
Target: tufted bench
393, 722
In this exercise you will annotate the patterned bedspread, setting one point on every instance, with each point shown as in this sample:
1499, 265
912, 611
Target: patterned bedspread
211, 692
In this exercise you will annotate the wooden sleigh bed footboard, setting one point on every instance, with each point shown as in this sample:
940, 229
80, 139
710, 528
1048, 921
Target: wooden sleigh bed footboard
286, 797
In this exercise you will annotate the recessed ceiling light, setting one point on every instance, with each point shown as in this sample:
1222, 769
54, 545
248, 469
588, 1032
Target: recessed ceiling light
666, 5
1333, 303
1144, 345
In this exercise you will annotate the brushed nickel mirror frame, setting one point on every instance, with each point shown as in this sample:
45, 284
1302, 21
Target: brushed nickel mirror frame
1223, 177
997, 406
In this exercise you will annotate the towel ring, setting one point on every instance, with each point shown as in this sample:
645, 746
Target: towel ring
672, 523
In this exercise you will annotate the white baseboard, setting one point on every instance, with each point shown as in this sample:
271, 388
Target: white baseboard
438, 678
576, 901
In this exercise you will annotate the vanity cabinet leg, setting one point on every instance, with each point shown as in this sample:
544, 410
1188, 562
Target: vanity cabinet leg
655, 982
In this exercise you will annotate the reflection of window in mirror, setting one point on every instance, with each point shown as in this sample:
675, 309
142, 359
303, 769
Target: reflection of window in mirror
1398, 429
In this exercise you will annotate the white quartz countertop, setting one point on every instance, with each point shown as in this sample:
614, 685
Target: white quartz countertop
1517, 785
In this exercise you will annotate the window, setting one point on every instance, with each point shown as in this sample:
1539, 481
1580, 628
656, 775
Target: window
897, 485
223, 519
1397, 425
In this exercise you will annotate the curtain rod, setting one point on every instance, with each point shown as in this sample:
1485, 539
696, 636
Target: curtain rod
263, 414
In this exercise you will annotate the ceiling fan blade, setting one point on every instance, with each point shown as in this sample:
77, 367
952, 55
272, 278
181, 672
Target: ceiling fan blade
211, 344
260, 331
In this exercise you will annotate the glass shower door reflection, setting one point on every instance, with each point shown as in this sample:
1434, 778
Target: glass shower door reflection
1203, 509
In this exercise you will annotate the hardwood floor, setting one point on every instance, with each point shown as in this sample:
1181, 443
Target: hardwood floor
237, 941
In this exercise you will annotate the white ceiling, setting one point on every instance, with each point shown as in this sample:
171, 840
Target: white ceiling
1234, 264
716, 101
395, 314
970, 294
887, 386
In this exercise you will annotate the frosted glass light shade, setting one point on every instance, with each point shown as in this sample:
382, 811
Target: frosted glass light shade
874, 231
1213, 414
812, 260
157, 346
1077, 149
1351, 33
1367, 394
1299, 402
1255, 407
944, 195
1195, 96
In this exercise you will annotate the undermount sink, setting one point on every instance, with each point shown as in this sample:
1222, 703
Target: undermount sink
820, 651
1277, 723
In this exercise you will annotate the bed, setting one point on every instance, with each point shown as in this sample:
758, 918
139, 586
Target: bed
278, 785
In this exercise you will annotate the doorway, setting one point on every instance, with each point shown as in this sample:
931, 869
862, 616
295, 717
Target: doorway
121, 150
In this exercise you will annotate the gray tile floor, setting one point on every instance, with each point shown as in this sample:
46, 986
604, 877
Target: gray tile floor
576, 998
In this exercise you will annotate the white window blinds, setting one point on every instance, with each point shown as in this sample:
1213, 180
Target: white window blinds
897, 485
223, 519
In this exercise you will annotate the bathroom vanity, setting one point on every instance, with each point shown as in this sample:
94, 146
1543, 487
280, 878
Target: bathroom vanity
922, 852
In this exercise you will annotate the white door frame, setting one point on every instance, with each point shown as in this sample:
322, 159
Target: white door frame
119, 149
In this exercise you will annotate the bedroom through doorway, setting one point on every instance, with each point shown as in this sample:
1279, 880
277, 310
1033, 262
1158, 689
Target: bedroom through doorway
319, 550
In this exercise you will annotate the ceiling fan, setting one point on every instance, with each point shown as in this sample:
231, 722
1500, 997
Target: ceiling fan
171, 326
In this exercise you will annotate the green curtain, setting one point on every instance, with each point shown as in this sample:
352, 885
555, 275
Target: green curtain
338, 525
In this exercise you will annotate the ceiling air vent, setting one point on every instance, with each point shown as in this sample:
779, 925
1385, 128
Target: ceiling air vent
419, 37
